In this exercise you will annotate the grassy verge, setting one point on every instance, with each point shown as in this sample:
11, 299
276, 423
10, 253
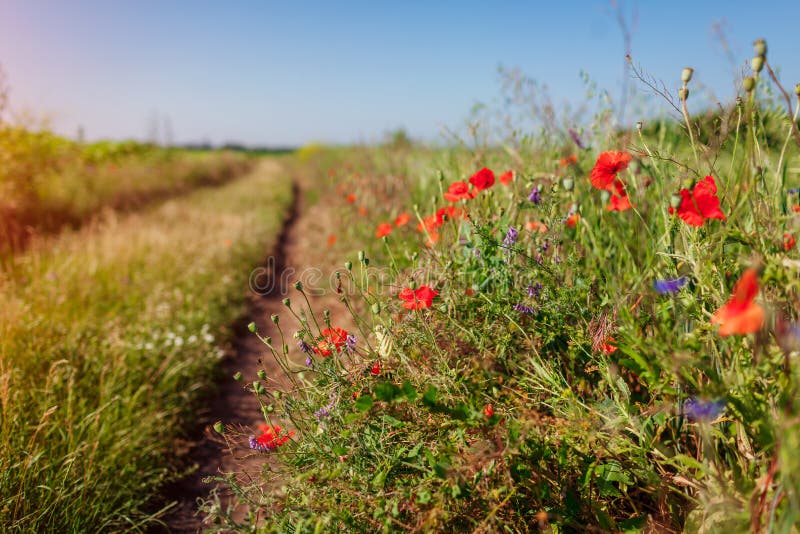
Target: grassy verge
605, 340
108, 337
48, 182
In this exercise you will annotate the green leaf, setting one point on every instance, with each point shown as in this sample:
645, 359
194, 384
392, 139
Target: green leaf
364, 403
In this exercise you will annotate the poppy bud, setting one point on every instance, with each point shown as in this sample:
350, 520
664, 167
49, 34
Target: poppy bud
268, 409
683, 93
327, 315
252, 327
412, 284
275, 318
268, 340
760, 47
568, 184
298, 285
605, 196
749, 83
376, 308
443, 308
285, 348
348, 265
797, 89
287, 303
237, 376
219, 428
757, 63
277, 394
639, 125
675, 200
361, 255
686, 74
262, 374
687, 183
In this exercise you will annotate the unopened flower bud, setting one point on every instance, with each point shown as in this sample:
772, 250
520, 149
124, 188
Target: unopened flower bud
268, 409
262, 374
275, 318
412, 284
797, 89
686, 74
639, 125
687, 183
605, 196
675, 200
237, 376
568, 183
219, 428
683, 93
277, 394
757, 63
760, 47
298, 285
287, 303
361, 255
376, 308
252, 327
749, 83
443, 308
348, 265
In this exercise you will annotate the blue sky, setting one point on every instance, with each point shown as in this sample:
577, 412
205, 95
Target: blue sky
286, 73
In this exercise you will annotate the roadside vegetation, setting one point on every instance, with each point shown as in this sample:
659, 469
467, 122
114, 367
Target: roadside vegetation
584, 330
111, 335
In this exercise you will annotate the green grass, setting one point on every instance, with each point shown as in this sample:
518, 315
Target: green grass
109, 336
589, 389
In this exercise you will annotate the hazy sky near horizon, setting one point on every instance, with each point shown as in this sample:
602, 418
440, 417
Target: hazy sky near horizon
286, 73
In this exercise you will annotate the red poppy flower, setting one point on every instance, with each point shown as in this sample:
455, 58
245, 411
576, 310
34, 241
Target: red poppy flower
609, 345
331, 240
402, 220
332, 338
459, 191
506, 178
607, 166
701, 203
488, 411
536, 226
741, 315
362, 211
433, 238
573, 219
447, 213
796, 208
376, 369
271, 437
383, 230
351, 198
429, 224
417, 299
619, 198
566, 162
788, 242
483, 179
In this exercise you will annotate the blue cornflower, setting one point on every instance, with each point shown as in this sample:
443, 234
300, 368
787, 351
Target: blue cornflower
535, 195
669, 286
511, 237
703, 410
534, 290
304, 347
794, 190
523, 309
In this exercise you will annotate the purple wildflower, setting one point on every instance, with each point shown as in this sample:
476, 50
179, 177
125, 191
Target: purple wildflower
576, 138
703, 410
794, 191
523, 309
350, 343
255, 445
304, 347
545, 246
325, 411
534, 290
669, 286
511, 237
535, 195
309, 361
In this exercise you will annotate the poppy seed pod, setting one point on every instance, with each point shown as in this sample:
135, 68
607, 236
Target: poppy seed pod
749, 83
348, 265
298, 285
287, 303
760, 47
683, 93
361, 255
686, 74
274, 317
757, 63
639, 125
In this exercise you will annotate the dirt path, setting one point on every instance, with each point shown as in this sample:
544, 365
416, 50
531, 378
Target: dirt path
299, 247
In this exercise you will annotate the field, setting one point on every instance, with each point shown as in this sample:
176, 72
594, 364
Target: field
586, 330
